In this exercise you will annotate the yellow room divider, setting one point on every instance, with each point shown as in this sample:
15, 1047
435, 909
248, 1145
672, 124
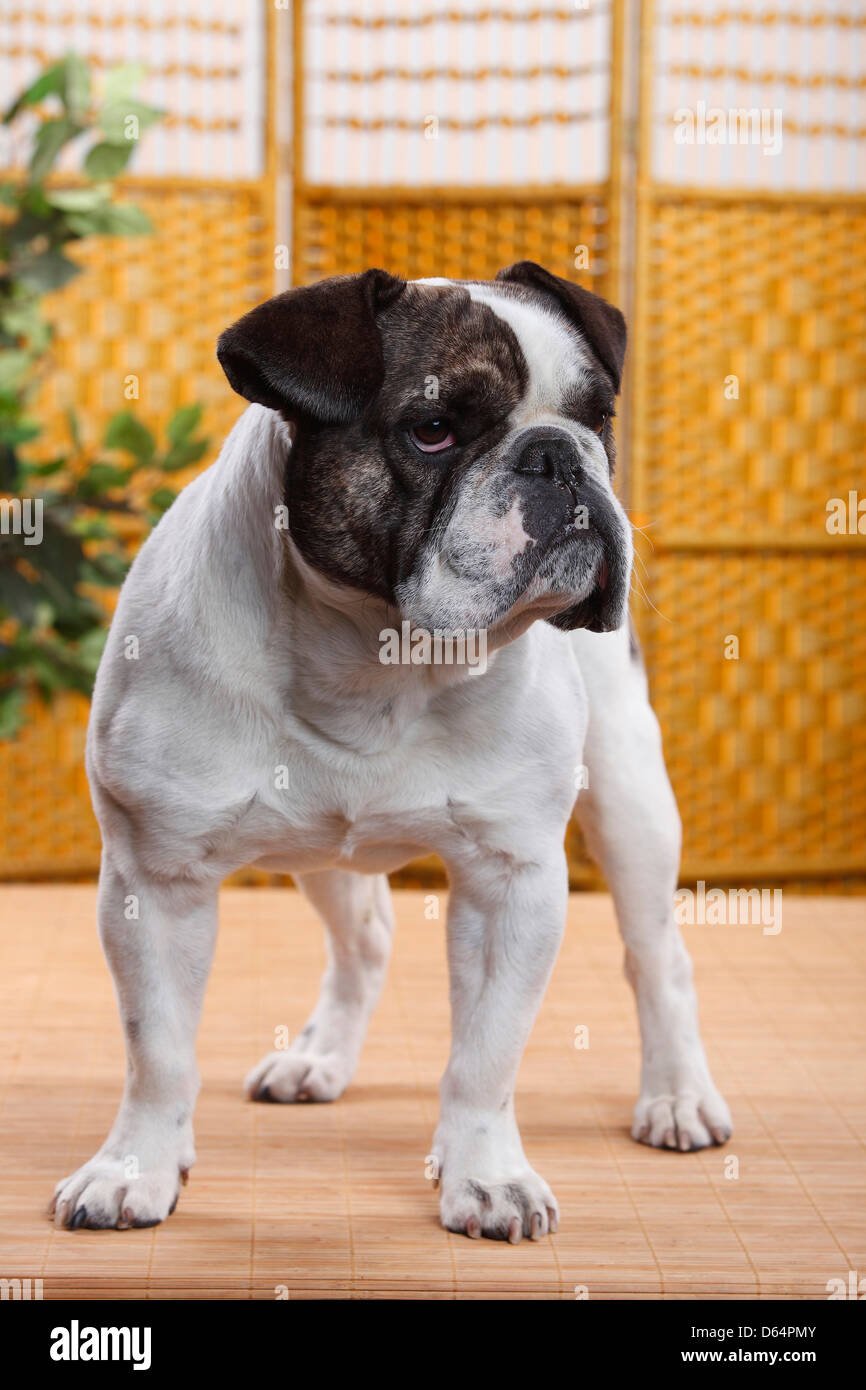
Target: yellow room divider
749, 403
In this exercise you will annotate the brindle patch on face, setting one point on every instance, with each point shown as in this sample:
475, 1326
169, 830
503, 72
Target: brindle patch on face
361, 498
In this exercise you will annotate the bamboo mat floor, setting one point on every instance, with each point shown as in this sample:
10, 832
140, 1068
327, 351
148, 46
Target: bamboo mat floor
331, 1200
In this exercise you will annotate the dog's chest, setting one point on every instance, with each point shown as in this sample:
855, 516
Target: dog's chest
370, 844
370, 815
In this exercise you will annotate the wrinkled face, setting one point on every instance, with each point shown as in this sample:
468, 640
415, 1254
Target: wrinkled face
475, 483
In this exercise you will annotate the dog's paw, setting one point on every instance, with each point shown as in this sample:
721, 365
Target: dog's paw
102, 1195
504, 1210
298, 1076
683, 1121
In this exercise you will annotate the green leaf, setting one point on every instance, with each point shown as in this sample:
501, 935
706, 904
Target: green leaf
183, 422
76, 199
59, 559
181, 455
162, 499
91, 646
107, 570
33, 202
123, 219
14, 366
21, 319
43, 470
46, 674
105, 161
91, 528
72, 425
76, 86
116, 125
126, 432
44, 614
122, 81
51, 82
81, 224
50, 139
20, 433
113, 219
11, 712
100, 477
18, 597
50, 271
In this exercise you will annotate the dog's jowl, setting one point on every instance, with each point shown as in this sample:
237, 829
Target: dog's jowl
432, 453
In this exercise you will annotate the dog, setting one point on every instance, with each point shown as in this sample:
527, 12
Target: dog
436, 454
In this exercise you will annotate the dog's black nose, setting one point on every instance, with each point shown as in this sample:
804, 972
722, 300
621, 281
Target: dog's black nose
551, 456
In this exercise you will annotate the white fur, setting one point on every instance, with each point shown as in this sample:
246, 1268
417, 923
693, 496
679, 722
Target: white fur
258, 726
552, 353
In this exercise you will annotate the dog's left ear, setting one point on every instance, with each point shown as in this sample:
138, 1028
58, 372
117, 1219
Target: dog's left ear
314, 350
602, 325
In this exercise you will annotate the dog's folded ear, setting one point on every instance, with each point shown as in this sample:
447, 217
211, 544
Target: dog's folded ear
602, 325
315, 350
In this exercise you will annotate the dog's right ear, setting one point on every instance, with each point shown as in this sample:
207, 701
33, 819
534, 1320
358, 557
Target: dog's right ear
315, 350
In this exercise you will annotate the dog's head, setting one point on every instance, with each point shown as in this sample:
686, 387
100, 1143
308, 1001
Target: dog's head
453, 451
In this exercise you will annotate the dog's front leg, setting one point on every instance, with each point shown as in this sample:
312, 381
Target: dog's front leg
504, 929
159, 944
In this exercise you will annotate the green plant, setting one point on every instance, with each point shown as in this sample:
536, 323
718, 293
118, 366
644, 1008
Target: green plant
93, 504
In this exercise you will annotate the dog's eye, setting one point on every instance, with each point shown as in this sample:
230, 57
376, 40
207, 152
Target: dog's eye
604, 420
432, 436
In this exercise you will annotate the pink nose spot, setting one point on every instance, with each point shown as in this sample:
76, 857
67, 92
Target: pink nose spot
510, 539
502, 538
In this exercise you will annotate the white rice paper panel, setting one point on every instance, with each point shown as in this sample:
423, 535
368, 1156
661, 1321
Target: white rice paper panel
799, 57
520, 94
206, 67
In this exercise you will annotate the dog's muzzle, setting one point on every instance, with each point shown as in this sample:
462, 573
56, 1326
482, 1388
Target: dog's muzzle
556, 487
604, 609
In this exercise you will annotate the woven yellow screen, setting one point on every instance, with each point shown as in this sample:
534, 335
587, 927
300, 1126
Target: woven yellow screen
447, 235
152, 307
755, 358
765, 740
47, 826
751, 417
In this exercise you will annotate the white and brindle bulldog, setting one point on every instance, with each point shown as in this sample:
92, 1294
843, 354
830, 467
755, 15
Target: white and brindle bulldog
440, 453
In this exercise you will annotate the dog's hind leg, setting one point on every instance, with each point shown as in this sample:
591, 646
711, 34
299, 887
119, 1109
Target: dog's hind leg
630, 821
359, 924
